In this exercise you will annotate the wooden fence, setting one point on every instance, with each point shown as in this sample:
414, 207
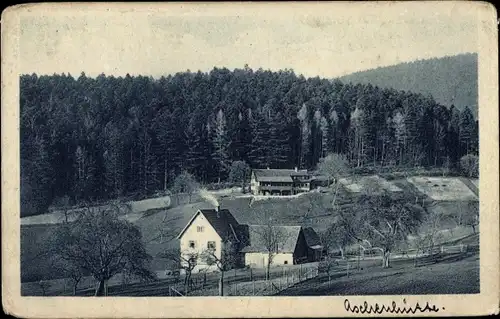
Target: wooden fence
246, 282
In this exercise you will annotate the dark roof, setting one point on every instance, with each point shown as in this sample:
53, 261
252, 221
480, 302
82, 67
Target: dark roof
278, 175
255, 240
312, 238
223, 222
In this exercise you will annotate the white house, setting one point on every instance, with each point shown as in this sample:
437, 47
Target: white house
213, 229
208, 229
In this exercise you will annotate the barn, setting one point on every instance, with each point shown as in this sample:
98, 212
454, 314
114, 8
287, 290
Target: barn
293, 245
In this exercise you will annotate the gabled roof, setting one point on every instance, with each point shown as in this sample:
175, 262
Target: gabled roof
312, 238
278, 175
256, 240
223, 222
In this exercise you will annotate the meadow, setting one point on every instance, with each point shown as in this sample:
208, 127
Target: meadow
311, 209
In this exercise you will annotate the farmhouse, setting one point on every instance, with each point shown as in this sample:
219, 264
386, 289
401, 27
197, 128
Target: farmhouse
280, 181
216, 230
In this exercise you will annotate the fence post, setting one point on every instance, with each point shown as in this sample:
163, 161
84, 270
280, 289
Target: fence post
253, 287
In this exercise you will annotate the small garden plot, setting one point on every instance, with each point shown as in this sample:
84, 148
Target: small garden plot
443, 189
356, 185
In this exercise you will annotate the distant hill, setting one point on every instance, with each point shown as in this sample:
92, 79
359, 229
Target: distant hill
450, 80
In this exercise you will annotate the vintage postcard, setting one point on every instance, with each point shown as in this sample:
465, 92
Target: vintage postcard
250, 160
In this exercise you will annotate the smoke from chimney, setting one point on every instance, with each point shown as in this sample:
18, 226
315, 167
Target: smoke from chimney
209, 197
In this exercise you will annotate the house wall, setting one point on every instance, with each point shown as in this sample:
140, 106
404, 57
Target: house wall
201, 239
314, 254
301, 249
259, 260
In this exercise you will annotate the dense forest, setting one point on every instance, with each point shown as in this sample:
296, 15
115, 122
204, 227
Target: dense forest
107, 137
450, 80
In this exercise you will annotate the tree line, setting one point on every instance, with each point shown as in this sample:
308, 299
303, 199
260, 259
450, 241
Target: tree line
106, 137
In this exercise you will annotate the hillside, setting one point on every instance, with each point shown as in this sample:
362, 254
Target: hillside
267, 119
450, 80
245, 208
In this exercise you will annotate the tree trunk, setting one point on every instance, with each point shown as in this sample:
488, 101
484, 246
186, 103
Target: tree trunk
99, 289
221, 283
386, 259
75, 287
165, 176
187, 281
341, 252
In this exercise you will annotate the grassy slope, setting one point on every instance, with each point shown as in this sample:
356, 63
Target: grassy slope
286, 211
451, 274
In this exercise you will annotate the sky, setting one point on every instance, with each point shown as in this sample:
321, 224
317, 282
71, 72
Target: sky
326, 40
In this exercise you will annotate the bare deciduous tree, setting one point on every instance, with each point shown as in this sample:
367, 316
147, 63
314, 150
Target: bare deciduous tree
44, 286
103, 245
71, 270
185, 260
334, 166
428, 234
186, 183
471, 218
166, 230
386, 221
227, 259
271, 237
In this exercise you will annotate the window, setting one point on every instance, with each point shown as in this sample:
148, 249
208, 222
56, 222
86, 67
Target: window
200, 229
211, 245
192, 244
286, 262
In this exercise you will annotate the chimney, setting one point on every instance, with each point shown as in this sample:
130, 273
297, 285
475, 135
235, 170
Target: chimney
218, 211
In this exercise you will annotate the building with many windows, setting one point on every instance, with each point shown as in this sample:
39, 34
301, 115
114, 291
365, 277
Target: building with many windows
282, 181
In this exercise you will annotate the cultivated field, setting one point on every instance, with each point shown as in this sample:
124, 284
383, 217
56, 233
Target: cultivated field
443, 189
357, 185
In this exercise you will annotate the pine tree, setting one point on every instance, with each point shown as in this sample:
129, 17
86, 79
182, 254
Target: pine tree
400, 135
260, 132
114, 161
324, 136
221, 145
333, 137
305, 145
467, 131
